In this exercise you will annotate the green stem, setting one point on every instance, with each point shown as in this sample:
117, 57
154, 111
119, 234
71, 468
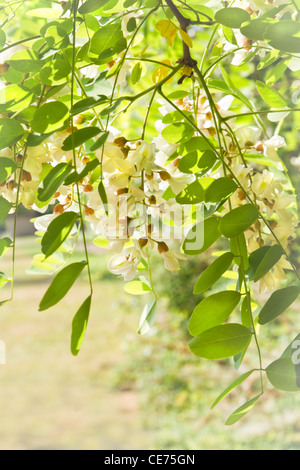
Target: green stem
242, 272
73, 78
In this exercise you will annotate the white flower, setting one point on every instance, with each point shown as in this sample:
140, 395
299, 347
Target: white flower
125, 264
272, 145
248, 136
171, 262
143, 157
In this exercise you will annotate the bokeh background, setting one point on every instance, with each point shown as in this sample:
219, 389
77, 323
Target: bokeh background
126, 391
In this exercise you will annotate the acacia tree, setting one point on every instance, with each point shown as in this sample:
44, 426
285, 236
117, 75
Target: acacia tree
157, 126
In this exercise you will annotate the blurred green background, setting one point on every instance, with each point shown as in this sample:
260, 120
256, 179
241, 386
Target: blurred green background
125, 391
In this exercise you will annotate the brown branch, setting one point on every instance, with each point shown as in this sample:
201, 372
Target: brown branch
184, 23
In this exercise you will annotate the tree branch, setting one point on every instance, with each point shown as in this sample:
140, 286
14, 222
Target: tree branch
184, 23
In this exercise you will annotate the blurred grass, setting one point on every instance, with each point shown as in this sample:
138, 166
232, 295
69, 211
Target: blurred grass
125, 391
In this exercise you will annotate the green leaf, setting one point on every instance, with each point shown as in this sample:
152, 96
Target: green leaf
57, 232
232, 17
284, 35
25, 61
213, 273
5, 207
275, 73
137, 288
271, 256
107, 41
279, 301
80, 137
220, 341
238, 220
136, 73
192, 194
255, 29
87, 103
11, 132
178, 132
270, 96
197, 161
91, 5
238, 247
148, 317
192, 145
53, 181
4, 279
246, 316
14, 98
282, 374
213, 311
220, 189
231, 387
7, 168
61, 284
201, 236
79, 326
82, 172
50, 117
100, 142
242, 411
5, 243
103, 197
2, 38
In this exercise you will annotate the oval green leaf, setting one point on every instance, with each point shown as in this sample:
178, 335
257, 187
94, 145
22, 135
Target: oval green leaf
61, 284
270, 258
231, 387
178, 132
238, 220
5, 207
57, 232
220, 189
213, 311
221, 341
79, 326
7, 168
80, 137
53, 181
282, 374
271, 96
279, 301
201, 236
50, 117
232, 17
11, 132
213, 273
238, 414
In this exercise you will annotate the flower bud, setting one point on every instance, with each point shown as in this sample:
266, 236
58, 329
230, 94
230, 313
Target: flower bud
152, 199
164, 175
58, 209
162, 247
79, 119
143, 242
11, 185
89, 211
120, 141
26, 176
88, 188
176, 162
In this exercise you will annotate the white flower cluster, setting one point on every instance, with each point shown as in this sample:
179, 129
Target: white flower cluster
141, 181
